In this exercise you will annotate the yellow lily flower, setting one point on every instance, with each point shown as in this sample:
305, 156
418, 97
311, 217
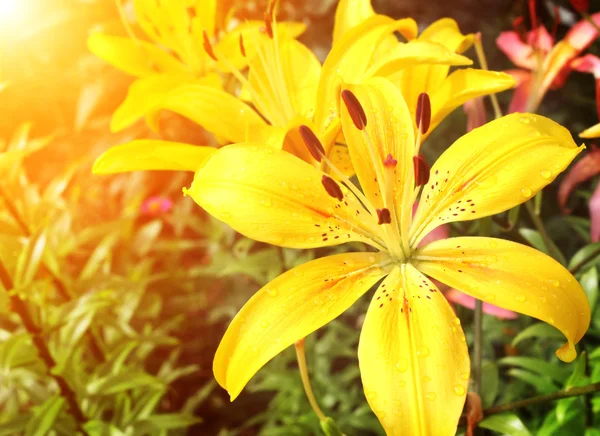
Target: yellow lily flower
413, 357
359, 29
177, 26
591, 132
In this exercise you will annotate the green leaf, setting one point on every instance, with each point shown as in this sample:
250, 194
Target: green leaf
169, 421
541, 367
123, 382
506, 424
542, 385
578, 377
44, 416
589, 282
101, 253
146, 236
491, 382
100, 428
30, 259
538, 330
586, 256
330, 428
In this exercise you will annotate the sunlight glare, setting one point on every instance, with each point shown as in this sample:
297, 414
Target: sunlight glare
11, 11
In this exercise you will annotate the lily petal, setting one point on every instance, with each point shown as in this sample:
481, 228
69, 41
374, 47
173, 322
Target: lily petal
492, 169
144, 93
288, 309
217, 111
519, 53
274, 197
475, 111
522, 93
461, 86
388, 132
592, 132
582, 34
349, 14
152, 154
446, 31
512, 276
583, 170
349, 59
413, 358
138, 58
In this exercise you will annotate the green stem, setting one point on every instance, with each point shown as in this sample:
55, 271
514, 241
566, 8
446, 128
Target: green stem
575, 269
19, 307
484, 66
301, 356
573, 392
477, 347
539, 225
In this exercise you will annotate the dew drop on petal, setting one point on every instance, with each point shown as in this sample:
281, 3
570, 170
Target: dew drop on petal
543, 299
526, 192
546, 174
464, 376
459, 390
422, 351
264, 323
554, 283
402, 364
525, 120
456, 321
272, 292
431, 396
520, 298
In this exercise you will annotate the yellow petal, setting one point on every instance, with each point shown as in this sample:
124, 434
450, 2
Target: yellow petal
217, 111
151, 154
138, 58
512, 276
492, 169
413, 358
288, 309
388, 131
284, 80
462, 86
414, 53
446, 32
272, 196
349, 14
229, 44
349, 59
144, 93
592, 132
560, 55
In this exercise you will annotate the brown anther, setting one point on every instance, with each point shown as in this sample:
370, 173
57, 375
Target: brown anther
421, 170
242, 48
332, 188
269, 24
355, 109
390, 162
312, 143
423, 114
384, 216
208, 46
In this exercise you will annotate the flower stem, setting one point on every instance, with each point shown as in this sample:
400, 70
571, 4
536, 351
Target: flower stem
301, 356
575, 269
484, 66
477, 347
19, 307
539, 225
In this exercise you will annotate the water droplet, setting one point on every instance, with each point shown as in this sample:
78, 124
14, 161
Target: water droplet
402, 364
546, 174
526, 192
380, 414
264, 323
371, 395
464, 376
422, 351
426, 379
554, 283
493, 244
525, 120
459, 390
520, 298
272, 292
551, 320
255, 351
266, 202
401, 383
456, 321
431, 396
543, 299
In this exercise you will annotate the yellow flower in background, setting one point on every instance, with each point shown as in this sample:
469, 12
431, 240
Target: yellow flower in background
173, 53
413, 357
591, 132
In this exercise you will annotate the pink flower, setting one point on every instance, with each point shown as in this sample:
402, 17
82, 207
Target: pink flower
475, 111
156, 205
543, 64
585, 168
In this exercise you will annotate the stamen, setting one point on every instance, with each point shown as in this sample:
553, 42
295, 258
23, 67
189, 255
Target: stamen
519, 28
271, 7
423, 114
422, 170
355, 109
242, 48
390, 162
384, 216
312, 143
332, 188
208, 46
269, 24
533, 14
